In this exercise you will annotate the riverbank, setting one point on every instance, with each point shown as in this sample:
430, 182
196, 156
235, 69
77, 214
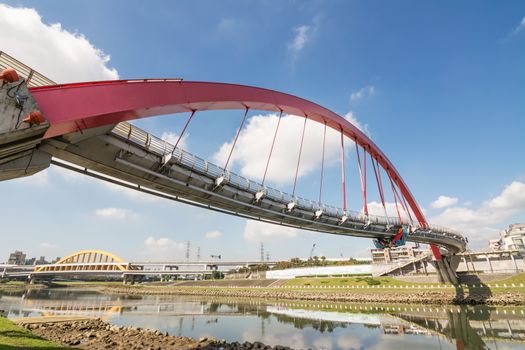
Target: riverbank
16, 287
96, 334
13, 336
451, 296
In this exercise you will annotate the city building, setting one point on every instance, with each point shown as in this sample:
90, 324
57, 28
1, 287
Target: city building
41, 261
17, 258
512, 238
389, 255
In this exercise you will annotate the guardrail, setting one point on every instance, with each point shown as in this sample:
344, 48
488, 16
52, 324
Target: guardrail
164, 149
31, 76
408, 286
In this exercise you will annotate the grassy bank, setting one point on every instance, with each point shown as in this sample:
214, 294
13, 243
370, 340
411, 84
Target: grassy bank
349, 282
14, 337
515, 283
18, 286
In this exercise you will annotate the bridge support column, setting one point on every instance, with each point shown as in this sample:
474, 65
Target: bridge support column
446, 270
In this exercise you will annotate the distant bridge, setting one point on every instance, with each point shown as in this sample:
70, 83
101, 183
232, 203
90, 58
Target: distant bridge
101, 263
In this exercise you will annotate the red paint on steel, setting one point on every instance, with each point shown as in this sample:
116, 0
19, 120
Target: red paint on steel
364, 178
407, 209
236, 137
377, 173
322, 167
435, 251
299, 157
271, 148
395, 201
95, 104
343, 176
363, 183
184, 129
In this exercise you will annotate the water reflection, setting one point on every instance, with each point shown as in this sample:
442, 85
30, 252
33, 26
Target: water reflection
296, 324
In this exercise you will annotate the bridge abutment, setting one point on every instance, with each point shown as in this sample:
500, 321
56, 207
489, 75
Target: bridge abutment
22, 128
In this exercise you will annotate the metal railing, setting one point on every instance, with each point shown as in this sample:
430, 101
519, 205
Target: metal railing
162, 148
31, 76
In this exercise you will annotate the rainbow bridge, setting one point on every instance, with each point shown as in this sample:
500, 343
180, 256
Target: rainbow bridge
84, 127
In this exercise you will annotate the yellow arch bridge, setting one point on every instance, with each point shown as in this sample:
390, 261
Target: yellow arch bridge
87, 260
102, 263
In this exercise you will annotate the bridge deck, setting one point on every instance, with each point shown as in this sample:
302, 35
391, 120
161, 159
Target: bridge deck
134, 158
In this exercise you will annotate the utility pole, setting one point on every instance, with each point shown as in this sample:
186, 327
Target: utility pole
312, 251
188, 251
267, 256
198, 253
262, 251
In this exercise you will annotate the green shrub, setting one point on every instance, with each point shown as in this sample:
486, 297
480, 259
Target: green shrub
369, 280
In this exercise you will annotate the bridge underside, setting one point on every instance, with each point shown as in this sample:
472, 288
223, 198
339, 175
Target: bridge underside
131, 157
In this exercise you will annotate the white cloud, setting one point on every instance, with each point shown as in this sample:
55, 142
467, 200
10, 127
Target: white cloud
366, 91
303, 35
483, 223
47, 245
213, 234
300, 39
353, 120
114, 213
57, 53
163, 248
171, 138
520, 26
131, 193
75, 177
443, 202
40, 179
231, 26
376, 208
254, 142
67, 175
258, 231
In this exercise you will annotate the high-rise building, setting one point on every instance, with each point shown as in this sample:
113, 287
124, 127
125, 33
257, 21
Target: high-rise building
512, 238
17, 258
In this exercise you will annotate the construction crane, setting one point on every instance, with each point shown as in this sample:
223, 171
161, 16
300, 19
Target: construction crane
312, 251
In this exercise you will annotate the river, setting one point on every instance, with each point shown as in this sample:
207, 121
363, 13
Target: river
301, 325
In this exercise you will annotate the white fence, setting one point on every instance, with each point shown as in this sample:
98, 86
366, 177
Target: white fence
321, 271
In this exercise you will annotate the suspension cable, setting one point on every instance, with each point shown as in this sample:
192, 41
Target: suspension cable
363, 184
403, 204
407, 209
395, 199
299, 158
184, 129
322, 167
377, 172
271, 148
236, 137
343, 176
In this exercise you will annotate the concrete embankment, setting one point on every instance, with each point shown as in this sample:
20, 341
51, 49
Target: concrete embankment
95, 334
457, 297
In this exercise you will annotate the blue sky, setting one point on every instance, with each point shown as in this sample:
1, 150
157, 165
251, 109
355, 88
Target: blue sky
438, 85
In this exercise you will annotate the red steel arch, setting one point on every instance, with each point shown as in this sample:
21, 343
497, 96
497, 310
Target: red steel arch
75, 107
